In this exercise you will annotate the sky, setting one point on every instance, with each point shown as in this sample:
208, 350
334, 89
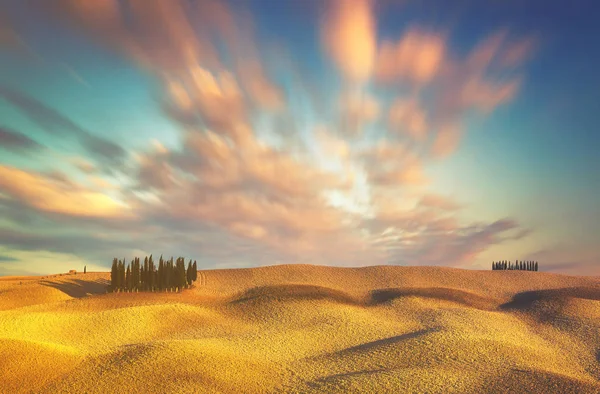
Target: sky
339, 132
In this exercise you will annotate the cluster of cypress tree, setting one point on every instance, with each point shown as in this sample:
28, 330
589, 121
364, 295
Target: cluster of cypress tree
516, 266
168, 276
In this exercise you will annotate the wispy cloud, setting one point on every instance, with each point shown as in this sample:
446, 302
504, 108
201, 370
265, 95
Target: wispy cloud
14, 141
227, 190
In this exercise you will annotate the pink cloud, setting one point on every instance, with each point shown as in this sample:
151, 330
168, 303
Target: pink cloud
349, 37
226, 179
416, 57
406, 116
358, 109
438, 201
446, 140
57, 195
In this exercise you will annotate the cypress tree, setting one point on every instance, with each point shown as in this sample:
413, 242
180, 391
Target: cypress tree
175, 278
188, 273
173, 274
113, 275
160, 274
536, 266
84, 269
123, 283
182, 279
140, 269
137, 274
195, 271
119, 283
128, 278
145, 275
177, 273
167, 275
151, 274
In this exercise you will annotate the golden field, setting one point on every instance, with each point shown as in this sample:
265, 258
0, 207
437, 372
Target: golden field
304, 329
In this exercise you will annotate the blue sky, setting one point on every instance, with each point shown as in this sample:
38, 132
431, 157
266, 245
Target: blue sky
246, 133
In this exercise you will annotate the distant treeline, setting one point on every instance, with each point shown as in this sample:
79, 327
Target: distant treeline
169, 276
516, 266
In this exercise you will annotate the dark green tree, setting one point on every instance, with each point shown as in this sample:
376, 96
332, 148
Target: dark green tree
113, 274
119, 281
536, 266
123, 283
84, 269
195, 271
137, 274
168, 274
128, 278
182, 278
161, 273
150, 274
145, 275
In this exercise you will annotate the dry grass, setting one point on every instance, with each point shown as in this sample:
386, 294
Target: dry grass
305, 329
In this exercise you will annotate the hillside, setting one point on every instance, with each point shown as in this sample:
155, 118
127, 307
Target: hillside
302, 329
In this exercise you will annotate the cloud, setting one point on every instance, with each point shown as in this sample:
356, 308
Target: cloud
226, 190
358, 109
349, 37
446, 140
52, 195
432, 200
53, 122
15, 141
406, 116
83, 165
423, 237
7, 259
417, 57
572, 258
392, 164
9, 39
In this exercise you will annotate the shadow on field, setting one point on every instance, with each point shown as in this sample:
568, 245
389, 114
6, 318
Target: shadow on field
534, 381
365, 347
369, 346
318, 383
293, 292
78, 288
526, 299
440, 293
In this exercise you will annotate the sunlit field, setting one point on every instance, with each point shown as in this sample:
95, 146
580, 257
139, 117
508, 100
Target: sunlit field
302, 329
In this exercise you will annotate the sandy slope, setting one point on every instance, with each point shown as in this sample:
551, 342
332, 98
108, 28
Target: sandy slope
305, 329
